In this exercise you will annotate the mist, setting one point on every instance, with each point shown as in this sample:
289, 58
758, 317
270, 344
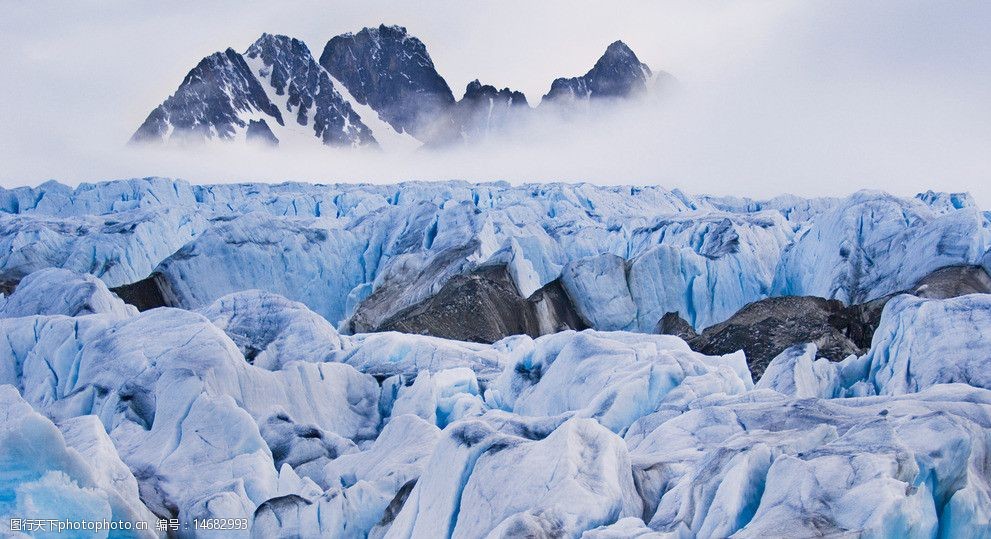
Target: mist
802, 98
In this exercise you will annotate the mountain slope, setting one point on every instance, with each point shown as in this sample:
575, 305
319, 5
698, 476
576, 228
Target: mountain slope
275, 91
391, 71
617, 74
217, 99
375, 86
304, 90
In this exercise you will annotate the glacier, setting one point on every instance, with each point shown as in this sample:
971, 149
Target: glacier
53, 291
180, 351
373, 251
876, 244
766, 464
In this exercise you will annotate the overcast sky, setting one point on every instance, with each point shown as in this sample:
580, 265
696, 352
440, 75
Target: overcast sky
803, 97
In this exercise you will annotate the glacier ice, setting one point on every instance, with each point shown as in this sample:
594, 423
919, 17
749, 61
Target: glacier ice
924, 342
798, 372
373, 250
624, 528
390, 353
272, 331
600, 291
295, 259
920, 343
764, 464
264, 397
356, 490
181, 404
573, 478
69, 471
441, 397
613, 377
57, 291
877, 244
119, 249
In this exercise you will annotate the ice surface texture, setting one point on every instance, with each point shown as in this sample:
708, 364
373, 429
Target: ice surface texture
358, 255
261, 390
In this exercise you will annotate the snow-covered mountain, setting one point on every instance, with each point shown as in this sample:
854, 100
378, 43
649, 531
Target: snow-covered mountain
219, 98
274, 92
378, 85
488, 360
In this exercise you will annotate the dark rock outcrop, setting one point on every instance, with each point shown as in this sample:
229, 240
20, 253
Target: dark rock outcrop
554, 310
410, 287
944, 283
390, 70
485, 306
953, 281
765, 328
482, 306
672, 324
7, 287
148, 293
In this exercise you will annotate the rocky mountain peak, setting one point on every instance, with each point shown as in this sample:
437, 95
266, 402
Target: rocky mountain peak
392, 72
477, 91
618, 73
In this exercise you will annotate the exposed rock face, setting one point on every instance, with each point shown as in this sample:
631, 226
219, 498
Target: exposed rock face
482, 306
953, 281
148, 293
416, 281
212, 102
765, 328
672, 324
477, 92
311, 100
276, 92
390, 71
617, 74
260, 132
485, 306
944, 283
554, 309
486, 111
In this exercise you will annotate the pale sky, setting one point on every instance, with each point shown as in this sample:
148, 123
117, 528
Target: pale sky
813, 98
